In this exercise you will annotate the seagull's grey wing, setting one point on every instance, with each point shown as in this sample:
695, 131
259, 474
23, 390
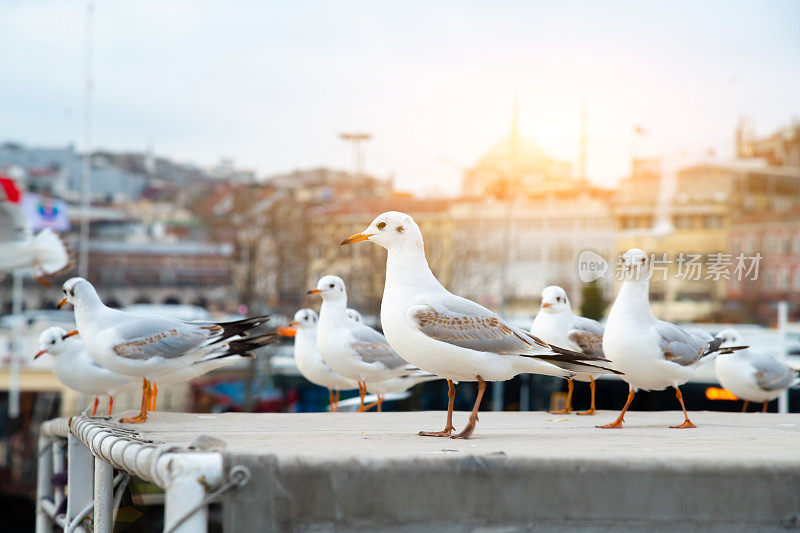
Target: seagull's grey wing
146, 337
680, 346
13, 224
464, 323
588, 335
770, 373
374, 348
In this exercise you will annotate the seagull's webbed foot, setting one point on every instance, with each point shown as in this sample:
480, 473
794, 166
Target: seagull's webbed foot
446, 432
568, 407
448, 426
616, 424
686, 424
589, 412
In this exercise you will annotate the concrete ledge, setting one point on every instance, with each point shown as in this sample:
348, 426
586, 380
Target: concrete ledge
521, 471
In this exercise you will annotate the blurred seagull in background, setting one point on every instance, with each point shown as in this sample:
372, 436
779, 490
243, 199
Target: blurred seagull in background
751, 376
74, 368
45, 253
652, 354
556, 324
398, 384
447, 335
308, 360
149, 347
351, 349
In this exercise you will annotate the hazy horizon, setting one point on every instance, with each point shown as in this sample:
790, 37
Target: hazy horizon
271, 85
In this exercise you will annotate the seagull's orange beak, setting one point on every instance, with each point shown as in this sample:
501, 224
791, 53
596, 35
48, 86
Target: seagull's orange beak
40, 353
294, 323
287, 332
71, 333
62, 303
358, 237
314, 291
545, 306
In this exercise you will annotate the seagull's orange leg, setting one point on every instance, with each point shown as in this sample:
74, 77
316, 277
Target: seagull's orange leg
744, 406
380, 403
473, 416
331, 401
618, 422
110, 404
764, 409
153, 396
448, 427
591, 410
362, 393
94, 408
142, 416
686, 423
567, 408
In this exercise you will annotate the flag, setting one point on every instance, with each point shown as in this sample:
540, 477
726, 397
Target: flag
43, 212
8, 189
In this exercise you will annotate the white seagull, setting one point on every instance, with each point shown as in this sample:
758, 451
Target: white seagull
46, 254
351, 349
557, 324
652, 354
308, 360
149, 347
74, 368
751, 376
445, 334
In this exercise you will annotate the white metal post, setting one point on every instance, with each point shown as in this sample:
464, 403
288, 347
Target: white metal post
80, 475
783, 315
184, 493
59, 465
103, 496
44, 487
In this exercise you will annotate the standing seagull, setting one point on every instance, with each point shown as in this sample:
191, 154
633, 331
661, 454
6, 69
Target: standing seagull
74, 368
308, 360
445, 334
149, 347
653, 354
351, 349
46, 254
557, 324
751, 376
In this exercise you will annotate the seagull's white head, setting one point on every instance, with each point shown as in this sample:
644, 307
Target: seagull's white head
77, 290
53, 341
305, 318
355, 316
635, 264
554, 300
730, 337
391, 229
330, 288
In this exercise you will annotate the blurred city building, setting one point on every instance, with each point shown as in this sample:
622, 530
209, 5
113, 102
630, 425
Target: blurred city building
776, 236
675, 211
782, 148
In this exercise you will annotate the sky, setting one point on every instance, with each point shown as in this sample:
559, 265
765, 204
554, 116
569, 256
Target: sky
271, 84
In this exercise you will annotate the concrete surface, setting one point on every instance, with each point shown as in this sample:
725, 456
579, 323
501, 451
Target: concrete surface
519, 472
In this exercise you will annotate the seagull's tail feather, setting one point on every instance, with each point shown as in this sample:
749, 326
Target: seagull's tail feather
714, 347
577, 361
238, 327
244, 346
51, 252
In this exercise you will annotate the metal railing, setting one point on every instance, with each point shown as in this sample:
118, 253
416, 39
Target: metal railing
92, 449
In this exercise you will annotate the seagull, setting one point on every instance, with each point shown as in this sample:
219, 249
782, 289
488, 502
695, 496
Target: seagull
354, 315
45, 253
149, 347
652, 354
448, 335
308, 360
74, 368
557, 324
751, 376
351, 349
398, 384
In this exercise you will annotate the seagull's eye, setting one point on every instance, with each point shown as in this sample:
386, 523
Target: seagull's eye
72, 291
52, 341
331, 285
381, 225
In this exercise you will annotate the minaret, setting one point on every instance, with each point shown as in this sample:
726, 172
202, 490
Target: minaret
582, 146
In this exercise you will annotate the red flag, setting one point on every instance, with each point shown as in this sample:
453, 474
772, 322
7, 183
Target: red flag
10, 190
